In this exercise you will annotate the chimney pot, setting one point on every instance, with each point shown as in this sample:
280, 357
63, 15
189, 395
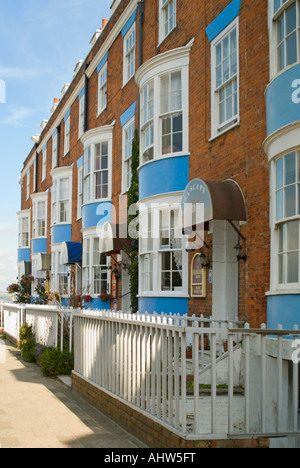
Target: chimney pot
104, 23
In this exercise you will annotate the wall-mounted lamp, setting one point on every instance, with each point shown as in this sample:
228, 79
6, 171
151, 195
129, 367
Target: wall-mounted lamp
238, 252
117, 274
204, 261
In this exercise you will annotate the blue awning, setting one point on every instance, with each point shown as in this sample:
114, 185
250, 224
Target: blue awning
71, 253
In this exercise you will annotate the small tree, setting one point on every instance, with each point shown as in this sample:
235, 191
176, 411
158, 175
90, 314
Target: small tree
133, 197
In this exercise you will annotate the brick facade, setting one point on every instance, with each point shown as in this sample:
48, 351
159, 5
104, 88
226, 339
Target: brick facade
237, 154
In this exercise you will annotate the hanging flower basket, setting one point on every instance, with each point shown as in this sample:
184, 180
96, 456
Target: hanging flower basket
104, 297
87, 298
14, 288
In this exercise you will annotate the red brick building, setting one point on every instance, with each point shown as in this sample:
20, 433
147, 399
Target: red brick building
191, 77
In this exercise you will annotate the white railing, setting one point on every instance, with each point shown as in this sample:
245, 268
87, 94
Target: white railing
245, 382
12, 318
51, 325
142, 360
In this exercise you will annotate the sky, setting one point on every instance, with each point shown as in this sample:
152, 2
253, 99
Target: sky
40, 45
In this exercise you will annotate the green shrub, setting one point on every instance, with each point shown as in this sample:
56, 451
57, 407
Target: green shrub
26, 334
54, 362
29, 351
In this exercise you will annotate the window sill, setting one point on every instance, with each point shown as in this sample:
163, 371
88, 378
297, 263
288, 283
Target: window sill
167, 156
101, 112
286, 292
227, 129
128, 81
162, 40
164, 295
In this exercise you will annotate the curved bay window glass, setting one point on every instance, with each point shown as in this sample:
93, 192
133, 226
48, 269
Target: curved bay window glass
287, 32
288, 217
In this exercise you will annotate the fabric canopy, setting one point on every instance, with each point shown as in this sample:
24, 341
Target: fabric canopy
71, 253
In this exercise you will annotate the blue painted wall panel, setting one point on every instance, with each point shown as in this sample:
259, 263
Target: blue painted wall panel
285, 310
283, 100
164, 176
61, 233
223, 20
39, 246
160, 305
23, 255
96, 214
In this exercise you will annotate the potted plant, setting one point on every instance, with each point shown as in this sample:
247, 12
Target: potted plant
189, 352
205, 342
87, 298
104, 297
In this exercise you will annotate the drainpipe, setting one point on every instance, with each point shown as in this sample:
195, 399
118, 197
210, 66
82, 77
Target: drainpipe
141, 15
86, 87
141, 11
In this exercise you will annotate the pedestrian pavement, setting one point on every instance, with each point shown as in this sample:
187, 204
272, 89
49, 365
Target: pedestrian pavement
38, 412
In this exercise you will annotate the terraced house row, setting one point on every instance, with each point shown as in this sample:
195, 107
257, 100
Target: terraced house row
213, 89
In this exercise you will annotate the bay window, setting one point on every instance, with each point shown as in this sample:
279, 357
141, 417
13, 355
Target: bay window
287, 202
147, 113
287, 26
171, 112
96, 272
60, 277
162, 257
164, 105
128, 136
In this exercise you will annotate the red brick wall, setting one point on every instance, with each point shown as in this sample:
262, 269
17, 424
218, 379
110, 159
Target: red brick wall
238, 154
151, 432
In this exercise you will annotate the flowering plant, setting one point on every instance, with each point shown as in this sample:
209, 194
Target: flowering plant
13, 288
87, 298
104, 297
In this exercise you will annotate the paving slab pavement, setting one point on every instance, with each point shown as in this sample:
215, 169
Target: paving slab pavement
38, 412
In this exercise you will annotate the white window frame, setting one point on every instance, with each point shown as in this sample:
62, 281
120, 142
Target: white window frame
152, 251
44, 164
55, 151
24, 235
92, 138
59, 175
102, 89
89, 264
217, 127
129, 48
67, 135
79, 192
164, 18
28, 184
278, 223
39, 276
274, 17
59, 271
128, 136
175, 60
36, 226
81, 116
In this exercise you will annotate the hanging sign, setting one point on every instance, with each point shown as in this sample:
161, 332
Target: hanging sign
198, 278
113, 286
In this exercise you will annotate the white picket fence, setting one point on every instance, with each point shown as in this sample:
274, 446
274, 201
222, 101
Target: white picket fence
48, 322
142, 360
246, 383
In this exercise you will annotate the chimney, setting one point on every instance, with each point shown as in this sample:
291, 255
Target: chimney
104, 23
55, 104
